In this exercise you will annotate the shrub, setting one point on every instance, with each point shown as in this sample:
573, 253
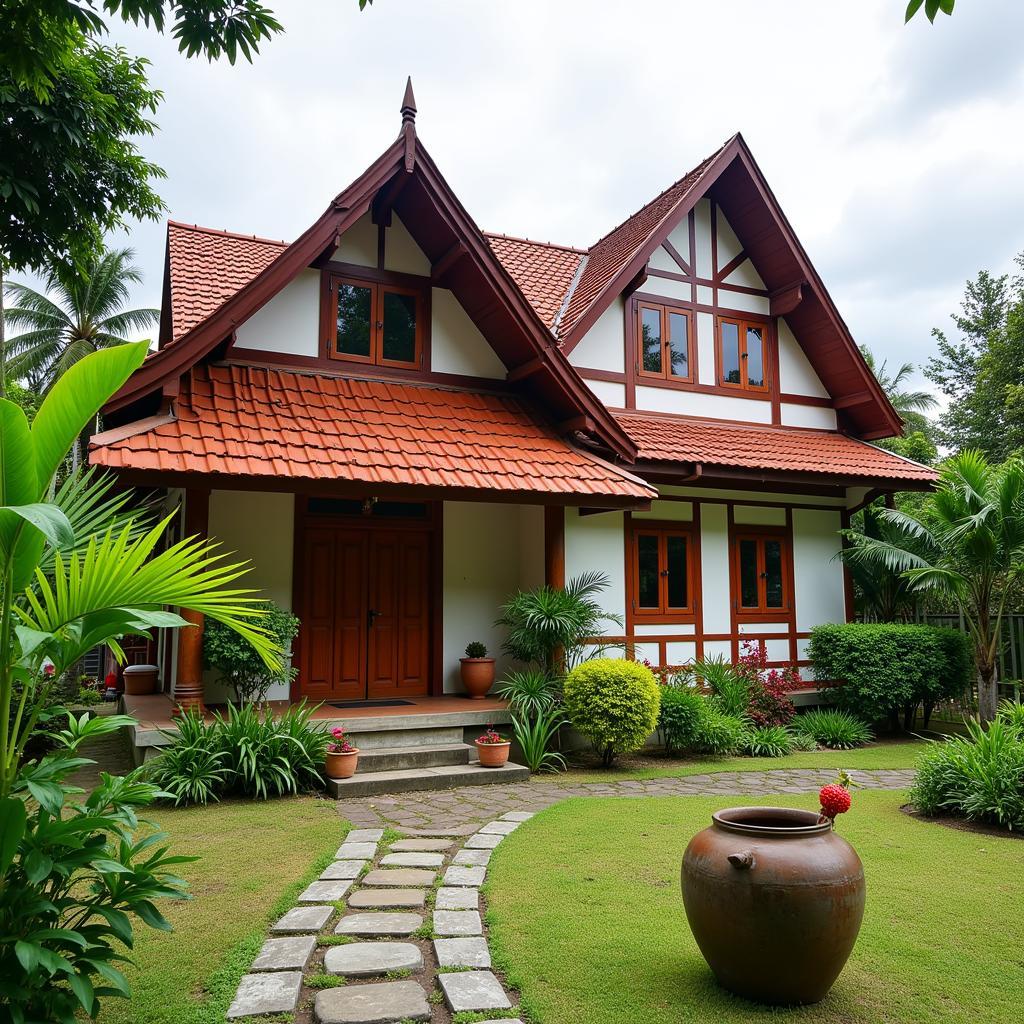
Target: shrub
883, 668
679, 717
476, 649
614, 703
768, 741
529, 692
769, 702
801, 741
980, 776
535, 735
717, 732
831, 728
1011, 713
729, 686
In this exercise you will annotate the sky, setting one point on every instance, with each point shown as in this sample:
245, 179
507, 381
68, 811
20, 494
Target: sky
895, 151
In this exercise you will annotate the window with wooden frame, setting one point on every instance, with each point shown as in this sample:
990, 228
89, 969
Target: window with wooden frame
762, 572
374, 322
664, 336
742, 354
663, 577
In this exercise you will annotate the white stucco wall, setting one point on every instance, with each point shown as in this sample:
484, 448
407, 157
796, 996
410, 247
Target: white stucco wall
401, 253
359, 243
289, 322
714, 567
696, 403
596, 543
796, 375
794, 415
603, 346
456, 346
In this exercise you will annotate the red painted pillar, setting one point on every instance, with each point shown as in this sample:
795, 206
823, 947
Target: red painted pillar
188, 682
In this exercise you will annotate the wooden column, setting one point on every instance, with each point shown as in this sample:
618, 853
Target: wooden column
188, 682
554, 545
851, 611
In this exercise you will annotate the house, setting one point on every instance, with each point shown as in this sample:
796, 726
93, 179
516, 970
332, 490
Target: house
401, 419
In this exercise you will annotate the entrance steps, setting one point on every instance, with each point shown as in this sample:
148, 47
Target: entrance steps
369, 782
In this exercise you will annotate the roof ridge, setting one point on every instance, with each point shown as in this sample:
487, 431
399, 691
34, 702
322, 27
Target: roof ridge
534, 241
223, 233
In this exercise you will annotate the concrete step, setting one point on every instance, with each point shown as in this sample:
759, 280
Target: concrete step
389, 759
410, 736
408, 781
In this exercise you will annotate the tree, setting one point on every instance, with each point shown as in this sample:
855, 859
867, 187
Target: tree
931, 8
966, 544
910, 405
86, 315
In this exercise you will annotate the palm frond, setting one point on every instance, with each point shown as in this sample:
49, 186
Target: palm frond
123, 325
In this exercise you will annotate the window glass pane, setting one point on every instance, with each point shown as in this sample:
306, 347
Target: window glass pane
680, 349
399, 327
755, 357
730, 353
773, 573
677, 589
354, 315
647, 570
650, 340
748, 573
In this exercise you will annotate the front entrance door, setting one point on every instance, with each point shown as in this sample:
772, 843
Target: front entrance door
366, 623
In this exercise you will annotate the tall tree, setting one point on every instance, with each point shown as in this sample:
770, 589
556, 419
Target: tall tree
918, 443
85, 314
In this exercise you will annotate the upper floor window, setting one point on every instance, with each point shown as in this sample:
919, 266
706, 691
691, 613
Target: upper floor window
741, 354
664, 334
663, 571
762, 572
371, 322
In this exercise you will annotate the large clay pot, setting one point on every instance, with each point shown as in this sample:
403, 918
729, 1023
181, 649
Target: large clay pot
477, 676
140, 679
774, 898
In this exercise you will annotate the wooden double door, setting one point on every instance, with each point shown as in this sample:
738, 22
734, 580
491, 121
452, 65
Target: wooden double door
365, 630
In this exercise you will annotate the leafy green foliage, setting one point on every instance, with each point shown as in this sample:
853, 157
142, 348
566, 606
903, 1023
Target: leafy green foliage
979, 776
614, 703
238, 662
535, 734
931, 8
768, 741
475, 649
245, 753
529, 692
1011, 714
679, 717
718, 733
730, 688
838, 730
884, 668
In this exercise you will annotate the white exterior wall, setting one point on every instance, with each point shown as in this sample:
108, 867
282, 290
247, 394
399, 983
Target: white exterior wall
603, 347
796, 375
820, 590
456, 346
289, 322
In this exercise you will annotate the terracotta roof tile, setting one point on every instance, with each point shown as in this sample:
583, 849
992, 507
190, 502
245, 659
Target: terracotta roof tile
253, 421
766, 448
542, 270
207, 267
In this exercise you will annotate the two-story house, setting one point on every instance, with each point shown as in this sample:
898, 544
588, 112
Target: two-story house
401, 419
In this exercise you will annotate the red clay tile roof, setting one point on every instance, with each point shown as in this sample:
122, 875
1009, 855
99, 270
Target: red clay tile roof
207, 267
542, 270
766, 448
258, 422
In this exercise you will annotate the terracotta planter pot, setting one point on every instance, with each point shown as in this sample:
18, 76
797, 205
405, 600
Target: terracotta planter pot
341, 766
140, 679
493, 755
775, 900
477, 676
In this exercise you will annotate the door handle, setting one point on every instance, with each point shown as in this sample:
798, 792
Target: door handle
370, 616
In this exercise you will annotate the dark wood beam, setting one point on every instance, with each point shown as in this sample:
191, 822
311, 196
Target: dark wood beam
524, 370
638, 281
735, 262
857, 398
584, 424
386, 198
447, 261
785, 300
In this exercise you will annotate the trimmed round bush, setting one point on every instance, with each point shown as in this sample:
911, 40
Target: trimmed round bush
680, 717
836, 729
614, 703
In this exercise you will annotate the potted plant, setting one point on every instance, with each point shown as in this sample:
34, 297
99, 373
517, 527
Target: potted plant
341, 757
492, 748
477, 670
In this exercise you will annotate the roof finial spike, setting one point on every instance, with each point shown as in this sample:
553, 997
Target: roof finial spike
408, 103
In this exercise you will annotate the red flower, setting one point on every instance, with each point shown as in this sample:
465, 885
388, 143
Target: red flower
835, 799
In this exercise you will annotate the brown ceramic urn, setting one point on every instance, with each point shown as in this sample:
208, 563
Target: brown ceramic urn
774, 898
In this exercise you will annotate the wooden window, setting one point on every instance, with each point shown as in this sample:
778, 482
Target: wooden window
762, 572
742, 354
374, 322
664, 336
663, 571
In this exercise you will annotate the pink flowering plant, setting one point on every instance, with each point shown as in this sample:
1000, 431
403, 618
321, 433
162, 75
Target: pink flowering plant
491, 736
339, 744
770, 703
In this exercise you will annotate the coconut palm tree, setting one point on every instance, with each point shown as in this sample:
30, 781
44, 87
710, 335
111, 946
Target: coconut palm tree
86, 314
965, 543
911, 405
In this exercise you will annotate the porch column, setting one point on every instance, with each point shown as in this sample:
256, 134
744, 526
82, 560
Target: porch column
188, 683
554, 546
848, 597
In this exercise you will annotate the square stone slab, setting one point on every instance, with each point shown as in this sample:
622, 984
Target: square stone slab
391, 877
472, 990
412, 860
365, 835
483, 842
378, 924
382, 1003
500, 828
458, 875
303, 919
356, 851
369, 959
457, 922
285, 954
324, 892
388, 898
420, 845
472, 858
342, 869
266, 993
518, 816
471, 952
459, 898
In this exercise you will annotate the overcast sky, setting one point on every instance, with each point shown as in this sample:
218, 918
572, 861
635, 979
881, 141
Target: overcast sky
895, 151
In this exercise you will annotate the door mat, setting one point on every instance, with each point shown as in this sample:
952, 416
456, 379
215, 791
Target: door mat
370, 703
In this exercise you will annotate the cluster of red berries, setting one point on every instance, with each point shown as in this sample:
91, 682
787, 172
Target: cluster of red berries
835, 799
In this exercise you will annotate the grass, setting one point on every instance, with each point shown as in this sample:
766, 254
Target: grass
897, 753
255, 859
592, 927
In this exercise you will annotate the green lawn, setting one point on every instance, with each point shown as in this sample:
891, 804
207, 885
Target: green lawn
900, 753
587, 919
253, 855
